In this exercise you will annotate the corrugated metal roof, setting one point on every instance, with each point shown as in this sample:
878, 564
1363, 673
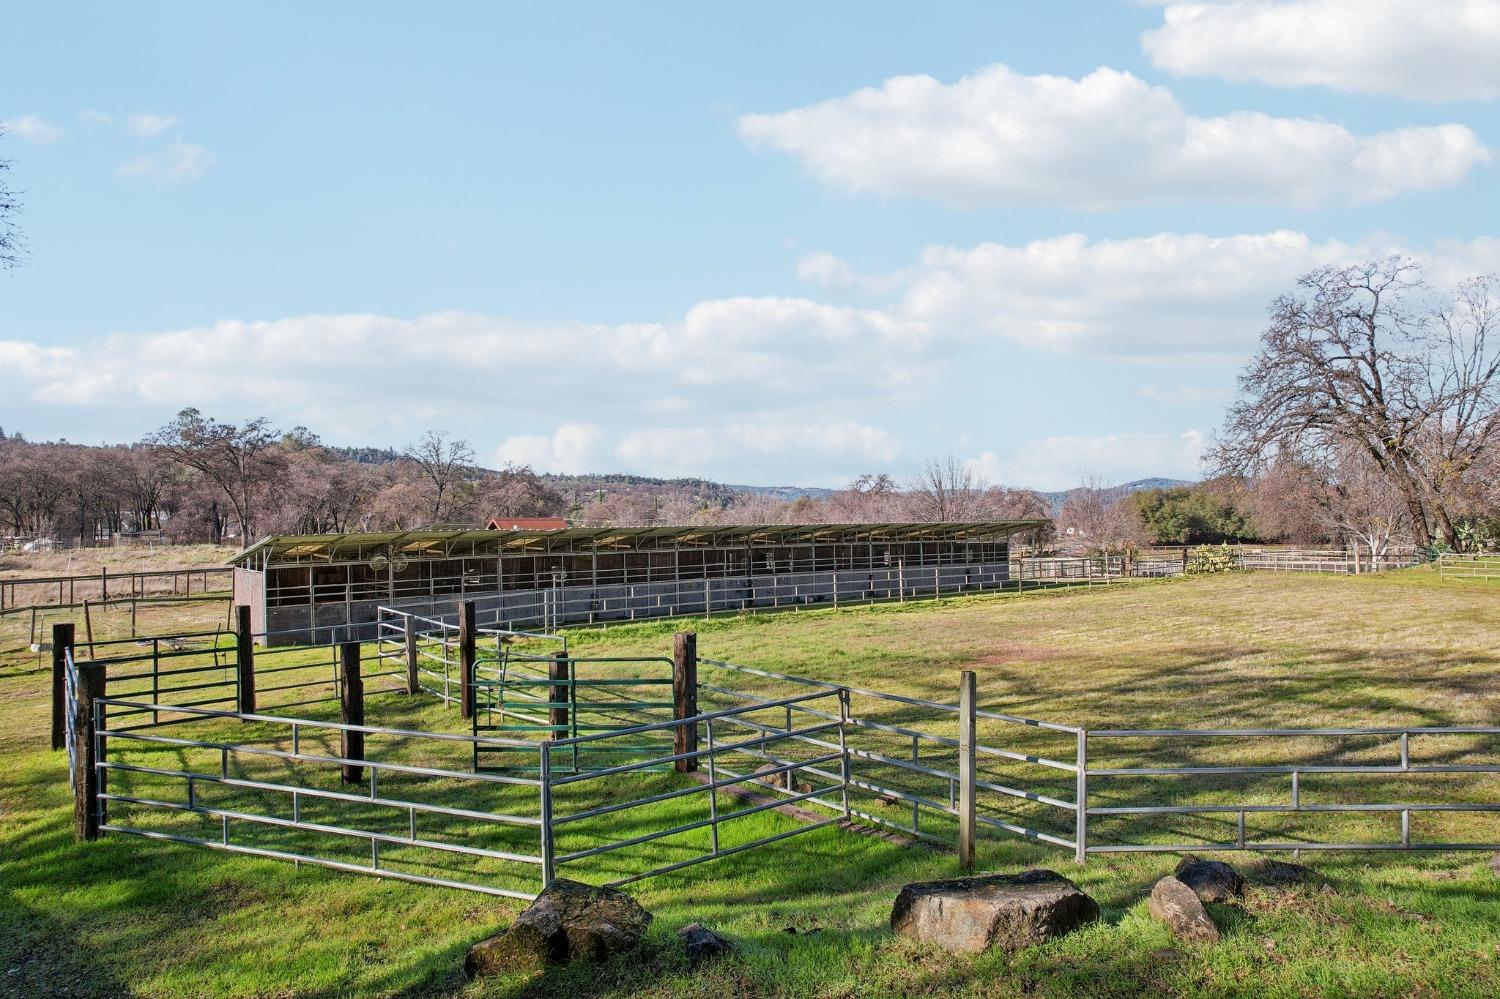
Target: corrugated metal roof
314, 545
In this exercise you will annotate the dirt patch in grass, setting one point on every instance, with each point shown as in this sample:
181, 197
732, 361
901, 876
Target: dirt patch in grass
1009, 653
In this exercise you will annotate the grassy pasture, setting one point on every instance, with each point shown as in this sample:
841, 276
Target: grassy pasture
1278, 650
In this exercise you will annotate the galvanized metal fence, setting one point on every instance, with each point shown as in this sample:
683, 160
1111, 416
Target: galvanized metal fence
1469, 567
281, 793
415, 805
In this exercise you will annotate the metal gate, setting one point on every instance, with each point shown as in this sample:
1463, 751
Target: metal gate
548, 697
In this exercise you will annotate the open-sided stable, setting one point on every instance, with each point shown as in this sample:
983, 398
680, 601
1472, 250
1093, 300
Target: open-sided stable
302, 588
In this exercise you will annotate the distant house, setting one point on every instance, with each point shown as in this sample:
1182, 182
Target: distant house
525, 524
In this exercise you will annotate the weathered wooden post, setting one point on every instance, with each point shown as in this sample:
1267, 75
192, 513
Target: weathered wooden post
88, 627
685, 698
351, 712
244, 660
466, 638
558, 693
86, 807
62, 647
967, 696
410, 635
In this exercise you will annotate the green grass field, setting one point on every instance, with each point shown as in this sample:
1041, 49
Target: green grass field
130, 916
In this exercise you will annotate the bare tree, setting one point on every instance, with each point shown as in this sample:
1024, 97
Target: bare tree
947, 490
446, 464
517, 491
12, 245
869, 497
1095, 517
1366, 357
1359, 504
239, 460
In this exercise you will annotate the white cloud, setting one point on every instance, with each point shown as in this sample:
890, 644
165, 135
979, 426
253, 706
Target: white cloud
1183, 394
148, 125
179, 162
1425, 49
747, 387
1001, 137
572, 447
764, 379
681, 450
1056, 463
1169, 295
33, 128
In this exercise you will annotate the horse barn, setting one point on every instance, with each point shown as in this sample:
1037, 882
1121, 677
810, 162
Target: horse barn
310, 588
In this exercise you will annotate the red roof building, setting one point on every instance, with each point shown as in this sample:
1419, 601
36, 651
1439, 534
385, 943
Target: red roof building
525, 524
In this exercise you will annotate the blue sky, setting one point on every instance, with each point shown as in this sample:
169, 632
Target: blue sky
766, 243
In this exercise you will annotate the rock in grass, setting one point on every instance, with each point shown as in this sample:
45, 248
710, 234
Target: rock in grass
700, 943
1178, 906
1279, 874
1212, 880
568, 921
1495, 864
1009, 911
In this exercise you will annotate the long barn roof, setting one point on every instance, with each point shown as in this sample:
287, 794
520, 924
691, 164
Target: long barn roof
320, 546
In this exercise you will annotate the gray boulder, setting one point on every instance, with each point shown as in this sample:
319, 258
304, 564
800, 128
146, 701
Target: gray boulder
1179, 907
568, 921
1009, 911
700, 943
1212, 880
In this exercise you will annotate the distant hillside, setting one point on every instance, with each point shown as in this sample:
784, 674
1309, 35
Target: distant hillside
1058, 499
786, 493
581, 488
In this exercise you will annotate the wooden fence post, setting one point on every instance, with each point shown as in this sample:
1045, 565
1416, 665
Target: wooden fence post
411, 656
466, 638
86, 805
62, 644
351, 711
685, 697
88, 627
557, 672
244, 657
967, 695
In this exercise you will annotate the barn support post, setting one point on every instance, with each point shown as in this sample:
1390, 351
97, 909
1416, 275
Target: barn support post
86, 717
466, 637
967, 695
351, 712
244, 659
62, 647
685, 698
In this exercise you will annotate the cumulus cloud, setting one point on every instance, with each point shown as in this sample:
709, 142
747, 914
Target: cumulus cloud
1171, 295
572, 447
1001, 137
1056, 463
1424, 49
148, 125
178, 163
734, 378
791, 387
33, 128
